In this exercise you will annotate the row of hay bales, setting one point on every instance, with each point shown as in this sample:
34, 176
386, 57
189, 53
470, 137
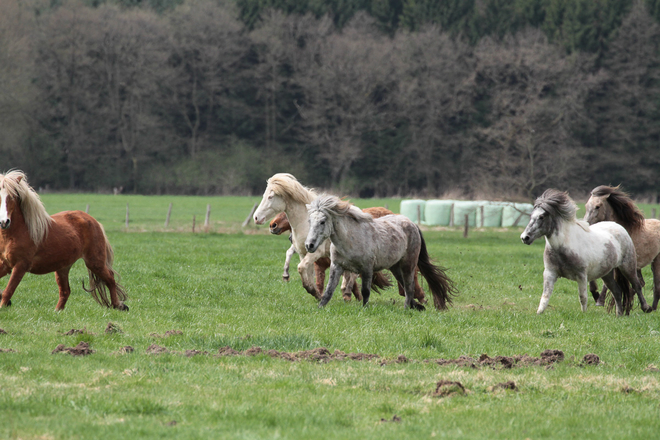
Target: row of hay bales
479, 213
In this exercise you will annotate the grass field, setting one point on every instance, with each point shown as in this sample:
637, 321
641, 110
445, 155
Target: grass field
211, 290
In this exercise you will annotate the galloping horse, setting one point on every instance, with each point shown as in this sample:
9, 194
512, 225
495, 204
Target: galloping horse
280, 224
363, 245
32, 241
610, 203
285, 194
580, 252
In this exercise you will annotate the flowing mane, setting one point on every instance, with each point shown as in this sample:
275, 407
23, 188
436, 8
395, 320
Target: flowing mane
334, 206
623, 207
287, 186
559, 206
37, 219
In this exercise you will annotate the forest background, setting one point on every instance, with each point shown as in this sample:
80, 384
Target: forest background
471, 98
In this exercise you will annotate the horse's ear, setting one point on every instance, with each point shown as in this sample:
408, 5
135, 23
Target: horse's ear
19, 178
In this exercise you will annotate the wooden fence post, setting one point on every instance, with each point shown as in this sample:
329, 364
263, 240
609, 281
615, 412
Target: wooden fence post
208, 216
194, 217
467, 225
87, 209
249, 217
127, 216
169, 212
653, 213
419, 214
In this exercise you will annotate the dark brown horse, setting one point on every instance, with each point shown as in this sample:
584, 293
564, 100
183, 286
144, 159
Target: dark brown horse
32, 241
280, 224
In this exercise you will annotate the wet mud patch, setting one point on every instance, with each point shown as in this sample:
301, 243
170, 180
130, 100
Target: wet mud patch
82, 349
449, 388
547, 358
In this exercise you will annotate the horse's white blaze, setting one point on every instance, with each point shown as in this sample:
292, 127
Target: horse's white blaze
4, 215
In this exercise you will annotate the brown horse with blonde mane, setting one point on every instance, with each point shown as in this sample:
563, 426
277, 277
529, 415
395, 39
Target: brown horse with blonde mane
32, 241
610, 203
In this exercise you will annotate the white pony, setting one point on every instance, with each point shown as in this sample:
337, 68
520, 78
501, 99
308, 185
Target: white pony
580, 252
363, 244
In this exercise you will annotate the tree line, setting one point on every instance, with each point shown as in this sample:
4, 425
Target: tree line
474, 98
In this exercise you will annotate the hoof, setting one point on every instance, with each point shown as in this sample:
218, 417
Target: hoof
123, 307
348, 298
285, 278
7, 304
647, 309
418, 306
598, 304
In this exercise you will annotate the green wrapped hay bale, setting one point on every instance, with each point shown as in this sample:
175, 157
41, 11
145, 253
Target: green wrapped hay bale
489, 214
461, 208
516, 214
413, 209
438, 212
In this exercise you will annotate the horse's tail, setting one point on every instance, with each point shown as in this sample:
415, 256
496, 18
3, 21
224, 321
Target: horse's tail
97, 286
380, 281
441, 286
627, 293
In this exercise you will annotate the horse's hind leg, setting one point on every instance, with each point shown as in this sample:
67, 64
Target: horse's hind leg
655, 267
407, 284
598, 297
349, 286
631, 275
62, 278
4, 270
616, 292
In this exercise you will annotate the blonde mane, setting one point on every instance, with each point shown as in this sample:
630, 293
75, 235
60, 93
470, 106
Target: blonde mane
37, 219
287, 186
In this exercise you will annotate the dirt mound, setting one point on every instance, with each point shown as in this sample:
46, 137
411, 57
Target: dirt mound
75, 331
548, 357
590, 359
2, 332
113, 328
7, 350
125, 350
320, 354
191, 353
510, 385
82, 349
156, 349
448, 388
167, 334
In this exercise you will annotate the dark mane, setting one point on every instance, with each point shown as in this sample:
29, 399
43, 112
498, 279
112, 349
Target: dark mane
625, 210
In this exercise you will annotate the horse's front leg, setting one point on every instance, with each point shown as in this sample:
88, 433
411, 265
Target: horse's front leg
582, 292
335, 274
287, 262
655, 267
549, 280
62, 278
306, 271
17, 274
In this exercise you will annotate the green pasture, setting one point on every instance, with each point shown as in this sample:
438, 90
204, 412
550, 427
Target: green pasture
224, 288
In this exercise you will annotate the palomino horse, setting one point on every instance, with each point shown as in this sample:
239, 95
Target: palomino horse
285, 194
580, 252
610, 203
363, 245
32, 241
280, 224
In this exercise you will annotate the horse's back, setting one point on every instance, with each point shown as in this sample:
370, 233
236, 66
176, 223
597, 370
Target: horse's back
647, 242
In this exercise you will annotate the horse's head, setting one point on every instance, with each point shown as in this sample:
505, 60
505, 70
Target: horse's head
9, 201
598, 209
320, 226
271, 204
550, 208
280, 224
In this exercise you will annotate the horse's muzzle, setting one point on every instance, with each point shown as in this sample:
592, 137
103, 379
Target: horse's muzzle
526, 239
311, 247
5, 224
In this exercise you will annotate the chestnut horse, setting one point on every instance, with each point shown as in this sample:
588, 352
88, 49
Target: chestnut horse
610, 203
32, 241
280, 224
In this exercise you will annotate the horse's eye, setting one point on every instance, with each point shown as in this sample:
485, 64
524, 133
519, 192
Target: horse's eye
597, 207
541, 217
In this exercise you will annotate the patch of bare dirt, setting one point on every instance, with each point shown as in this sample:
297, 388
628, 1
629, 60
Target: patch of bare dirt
82, 349
320, 354
125, 350
156, 349
548, 357
7, 350
652, 368
510, 385
167, 334
191, 353
2, 332
113, 328
591, 359
449, 388
395, 419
